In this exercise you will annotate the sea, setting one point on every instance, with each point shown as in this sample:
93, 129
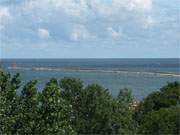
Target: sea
141, 76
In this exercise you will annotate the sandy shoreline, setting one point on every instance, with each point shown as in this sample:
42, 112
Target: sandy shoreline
96, 70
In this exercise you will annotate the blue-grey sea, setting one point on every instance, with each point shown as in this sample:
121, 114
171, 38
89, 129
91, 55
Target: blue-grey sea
142, 76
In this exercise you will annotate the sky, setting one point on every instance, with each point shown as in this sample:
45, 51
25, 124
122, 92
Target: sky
89, 28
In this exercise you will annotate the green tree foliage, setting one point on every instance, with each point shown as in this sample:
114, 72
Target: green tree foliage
125, 96
95, 111
28, 110
164, 121
54, 111
72, 92
168, 96
156, 106
96, 114
8, 101
69, 107
125, 112
104, 114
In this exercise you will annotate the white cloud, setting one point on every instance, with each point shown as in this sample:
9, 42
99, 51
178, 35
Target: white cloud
94, 16
81, 8
113, 33
4, 12
73, 8
144, 5
116, 7
43, 33
85, 10
68, 7
148, 22
4, 16
79, 32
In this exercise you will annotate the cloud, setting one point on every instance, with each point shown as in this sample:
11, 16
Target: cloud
85, 9
4, 14
79, 32
102, 23
43, 33
120, 7
76, 20
68, 7
149, 22
95, 14
143, 5
113, 33
83, 18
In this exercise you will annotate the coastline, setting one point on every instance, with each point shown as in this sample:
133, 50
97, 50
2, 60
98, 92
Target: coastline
159, 73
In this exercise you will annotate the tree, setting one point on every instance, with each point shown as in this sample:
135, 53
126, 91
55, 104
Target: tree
168, 96
72, 92
54, 111
95, 111
125, 112
8, 101
125, 96
28, 110
72, 108
32, 112
158, 113
102, 114
163, 121
71, 89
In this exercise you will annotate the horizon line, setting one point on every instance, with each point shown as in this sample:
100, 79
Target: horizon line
103, 58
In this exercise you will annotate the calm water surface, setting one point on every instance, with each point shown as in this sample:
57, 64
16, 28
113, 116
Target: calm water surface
142, 76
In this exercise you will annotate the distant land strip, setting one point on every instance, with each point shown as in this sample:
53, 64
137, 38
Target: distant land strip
97, 70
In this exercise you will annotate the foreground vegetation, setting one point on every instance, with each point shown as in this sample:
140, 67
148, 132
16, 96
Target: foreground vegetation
68, 107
